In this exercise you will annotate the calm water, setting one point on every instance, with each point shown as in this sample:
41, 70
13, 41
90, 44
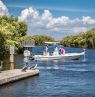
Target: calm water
57, 78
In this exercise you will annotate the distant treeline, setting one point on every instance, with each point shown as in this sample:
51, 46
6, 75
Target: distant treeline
84, 40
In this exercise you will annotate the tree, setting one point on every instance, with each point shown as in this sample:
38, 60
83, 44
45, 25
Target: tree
86, 39
2, 46
10, 33
40, 39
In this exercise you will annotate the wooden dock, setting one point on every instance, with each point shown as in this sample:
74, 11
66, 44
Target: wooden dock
16, 74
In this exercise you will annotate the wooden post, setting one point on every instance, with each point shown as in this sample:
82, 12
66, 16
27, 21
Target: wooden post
12, 50
11, 61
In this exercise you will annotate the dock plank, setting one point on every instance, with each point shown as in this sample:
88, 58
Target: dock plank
16, 74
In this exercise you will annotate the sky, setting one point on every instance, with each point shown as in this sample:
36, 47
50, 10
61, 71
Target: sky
56, 18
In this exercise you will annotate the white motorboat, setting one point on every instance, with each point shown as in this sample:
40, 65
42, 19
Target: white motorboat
58, 54
66, 56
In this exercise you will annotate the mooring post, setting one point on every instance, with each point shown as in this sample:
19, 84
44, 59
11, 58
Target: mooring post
12, 50
26, 56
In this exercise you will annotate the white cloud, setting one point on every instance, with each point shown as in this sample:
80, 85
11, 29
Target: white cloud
46, 15
3, 9
46, 24
88, 20
29, 14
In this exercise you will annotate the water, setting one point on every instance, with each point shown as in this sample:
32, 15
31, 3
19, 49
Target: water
57, 78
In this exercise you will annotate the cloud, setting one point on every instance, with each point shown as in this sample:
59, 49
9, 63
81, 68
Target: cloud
59, 27
88, 20
3, 9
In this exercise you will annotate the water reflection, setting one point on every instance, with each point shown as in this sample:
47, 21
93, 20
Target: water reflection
19, 88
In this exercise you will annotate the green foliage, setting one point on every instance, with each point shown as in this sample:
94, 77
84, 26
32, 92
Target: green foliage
40, 39
22, 29
2, 46
86, 40
29, 38
10, 33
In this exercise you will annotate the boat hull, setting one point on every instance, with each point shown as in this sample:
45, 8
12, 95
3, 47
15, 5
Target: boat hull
67, 56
